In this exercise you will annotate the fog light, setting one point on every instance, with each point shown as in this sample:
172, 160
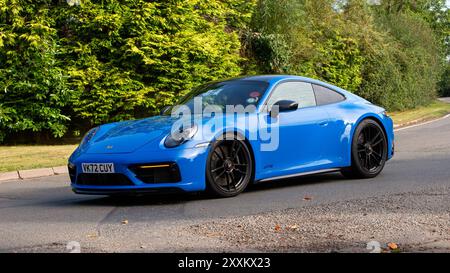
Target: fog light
72, 171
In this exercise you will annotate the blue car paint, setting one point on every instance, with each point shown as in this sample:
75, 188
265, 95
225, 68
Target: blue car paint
321, 140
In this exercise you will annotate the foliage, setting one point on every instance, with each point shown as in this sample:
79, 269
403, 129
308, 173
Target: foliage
305, 37
109, 60
131, 59
33, 85
75, 64
437, 14
390, 54
417, 59
444, 84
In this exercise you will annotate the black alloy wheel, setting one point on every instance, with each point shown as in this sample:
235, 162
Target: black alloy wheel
369, 151
229, 168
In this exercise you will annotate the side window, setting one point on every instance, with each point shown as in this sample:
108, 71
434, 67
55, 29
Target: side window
326, 96
300, 92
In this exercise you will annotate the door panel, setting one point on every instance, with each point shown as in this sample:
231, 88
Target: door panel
336, 146
301, 133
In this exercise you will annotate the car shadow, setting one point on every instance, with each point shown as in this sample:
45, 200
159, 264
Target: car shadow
180, 198
141, 200
297, 181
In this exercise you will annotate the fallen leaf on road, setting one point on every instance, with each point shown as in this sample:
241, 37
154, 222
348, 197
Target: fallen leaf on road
307, 198
213, 234
124, 222
293, 227
277, 228
392, 246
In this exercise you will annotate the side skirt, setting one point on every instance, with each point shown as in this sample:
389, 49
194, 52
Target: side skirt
298, 175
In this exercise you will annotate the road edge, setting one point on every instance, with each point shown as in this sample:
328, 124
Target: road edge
413, 124
423, 121
23, 175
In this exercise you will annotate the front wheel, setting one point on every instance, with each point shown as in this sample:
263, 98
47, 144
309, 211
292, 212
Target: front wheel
229, 168
369, 151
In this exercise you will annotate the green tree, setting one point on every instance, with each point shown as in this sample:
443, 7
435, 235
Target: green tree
305, 37
436, 14
377, 51
33, 86
131, 58
417, 52
107, 60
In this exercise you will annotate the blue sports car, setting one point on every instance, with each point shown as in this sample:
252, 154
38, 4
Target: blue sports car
224, 135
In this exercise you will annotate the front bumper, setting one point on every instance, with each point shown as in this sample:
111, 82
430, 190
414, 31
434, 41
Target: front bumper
120, 192
388, 124
191, 164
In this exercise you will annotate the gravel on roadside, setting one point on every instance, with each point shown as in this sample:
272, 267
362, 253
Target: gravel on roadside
416, 222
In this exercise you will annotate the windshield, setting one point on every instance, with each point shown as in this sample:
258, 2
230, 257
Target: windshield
223, 94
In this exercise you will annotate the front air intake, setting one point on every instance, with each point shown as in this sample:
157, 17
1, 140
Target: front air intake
110, 179
157, 173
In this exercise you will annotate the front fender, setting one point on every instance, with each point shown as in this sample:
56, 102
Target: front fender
386, 124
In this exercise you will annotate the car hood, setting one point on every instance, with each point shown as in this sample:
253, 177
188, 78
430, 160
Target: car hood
128, 136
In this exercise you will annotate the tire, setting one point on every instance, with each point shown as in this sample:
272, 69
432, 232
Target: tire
369, 151
229, 168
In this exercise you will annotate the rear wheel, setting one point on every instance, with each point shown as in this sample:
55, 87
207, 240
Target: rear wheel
229, 168
369, 151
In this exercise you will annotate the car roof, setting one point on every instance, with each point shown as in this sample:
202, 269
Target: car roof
274, 79
269, 78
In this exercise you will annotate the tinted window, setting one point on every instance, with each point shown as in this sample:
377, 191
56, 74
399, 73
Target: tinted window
300, 92
222, 94
327, 96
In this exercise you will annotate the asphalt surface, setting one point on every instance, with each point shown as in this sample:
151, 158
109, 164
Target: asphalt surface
43, 214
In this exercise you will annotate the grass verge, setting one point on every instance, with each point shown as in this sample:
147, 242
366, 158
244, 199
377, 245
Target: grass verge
14, 158
409, 117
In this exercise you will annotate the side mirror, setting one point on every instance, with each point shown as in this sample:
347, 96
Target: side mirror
164, 109
283, 106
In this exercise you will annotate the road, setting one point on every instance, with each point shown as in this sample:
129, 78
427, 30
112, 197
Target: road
409, 202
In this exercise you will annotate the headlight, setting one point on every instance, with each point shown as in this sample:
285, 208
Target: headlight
88, 136
180, 136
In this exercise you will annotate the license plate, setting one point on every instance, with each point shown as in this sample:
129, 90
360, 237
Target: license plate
98, 167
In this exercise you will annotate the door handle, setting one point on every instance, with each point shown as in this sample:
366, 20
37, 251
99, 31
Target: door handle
323, 123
